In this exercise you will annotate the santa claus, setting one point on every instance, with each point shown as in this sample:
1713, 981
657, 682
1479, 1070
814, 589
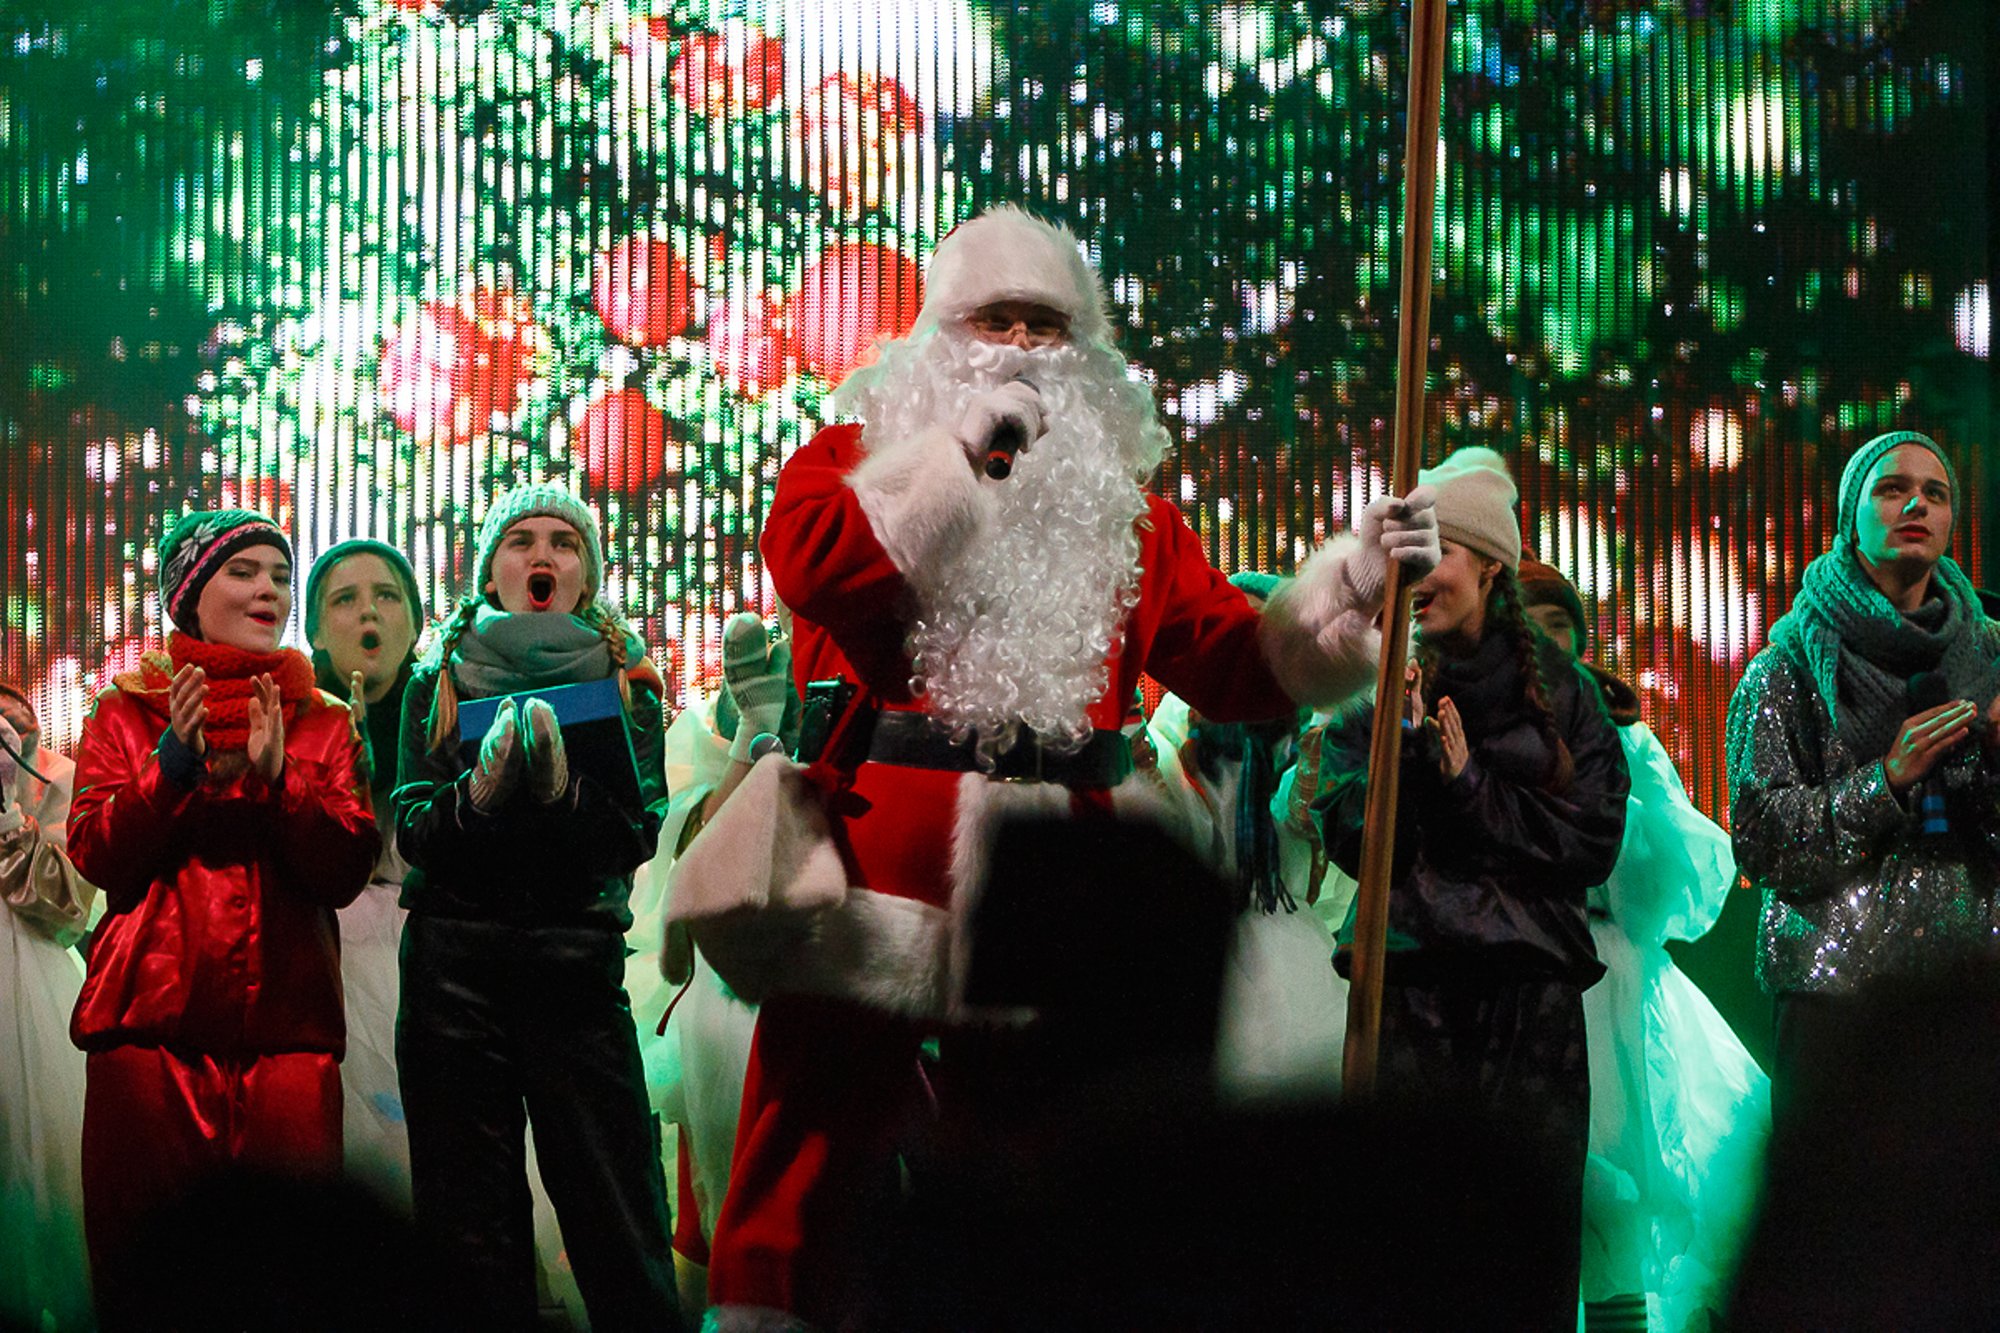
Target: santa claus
996, 627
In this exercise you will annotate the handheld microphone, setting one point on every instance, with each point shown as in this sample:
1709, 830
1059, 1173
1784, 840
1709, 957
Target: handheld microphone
765, 743
1006, 441
1927, 690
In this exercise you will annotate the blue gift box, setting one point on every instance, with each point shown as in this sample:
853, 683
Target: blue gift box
592, 717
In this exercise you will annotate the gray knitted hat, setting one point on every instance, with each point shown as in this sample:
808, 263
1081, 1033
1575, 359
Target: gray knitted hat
539, 500
1854, 477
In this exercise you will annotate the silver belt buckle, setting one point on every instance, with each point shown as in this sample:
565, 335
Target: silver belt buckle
1036, 774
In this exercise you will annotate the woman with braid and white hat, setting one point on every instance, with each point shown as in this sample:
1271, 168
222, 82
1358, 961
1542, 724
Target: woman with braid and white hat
514, 1009
1513, 806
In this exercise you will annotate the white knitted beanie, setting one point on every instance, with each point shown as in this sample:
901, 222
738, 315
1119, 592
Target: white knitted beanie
1475, 503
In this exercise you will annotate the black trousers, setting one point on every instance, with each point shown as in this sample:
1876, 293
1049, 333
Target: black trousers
502, 1027
1509, 1055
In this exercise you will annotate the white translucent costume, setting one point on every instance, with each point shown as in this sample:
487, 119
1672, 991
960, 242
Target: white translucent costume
1284, 1008
44, 904
694, 1072
375, 1140
1678, 1109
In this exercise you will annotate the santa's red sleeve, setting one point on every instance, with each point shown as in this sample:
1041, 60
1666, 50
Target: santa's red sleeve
1205, 643
848, 526
826, 561
1314, 644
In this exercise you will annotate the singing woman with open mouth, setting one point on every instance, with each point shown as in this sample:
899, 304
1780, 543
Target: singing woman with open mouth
514, 1009
363, 613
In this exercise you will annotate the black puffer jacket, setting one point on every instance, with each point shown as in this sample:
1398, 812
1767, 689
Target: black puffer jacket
527, 864
1491, 867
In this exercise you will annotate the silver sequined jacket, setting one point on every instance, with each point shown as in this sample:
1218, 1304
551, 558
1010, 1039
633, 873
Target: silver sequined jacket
1852, 889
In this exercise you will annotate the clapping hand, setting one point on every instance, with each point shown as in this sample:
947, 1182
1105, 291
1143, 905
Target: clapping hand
1451, 729
266, 744
1925, 739
187, 707
1454, 751
357, 722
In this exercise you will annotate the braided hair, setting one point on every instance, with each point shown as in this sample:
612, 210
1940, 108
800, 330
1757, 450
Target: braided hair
1506, 614
610, 626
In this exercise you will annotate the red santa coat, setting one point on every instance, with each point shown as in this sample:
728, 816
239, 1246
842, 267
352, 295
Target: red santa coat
843, 529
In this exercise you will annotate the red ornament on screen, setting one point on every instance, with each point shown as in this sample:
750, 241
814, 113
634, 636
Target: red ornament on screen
851, 132
270, 496
746, 340
447, 372
642, 291
709, 78
853, 296
622, 440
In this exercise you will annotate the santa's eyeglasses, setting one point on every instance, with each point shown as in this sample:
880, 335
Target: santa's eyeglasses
1041, 331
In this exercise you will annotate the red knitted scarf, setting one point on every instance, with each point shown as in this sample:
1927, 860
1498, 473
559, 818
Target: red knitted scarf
231, 672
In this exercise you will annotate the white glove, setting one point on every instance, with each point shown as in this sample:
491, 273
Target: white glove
757, 674
1015, 401
1403, 527
499, 765
548, 761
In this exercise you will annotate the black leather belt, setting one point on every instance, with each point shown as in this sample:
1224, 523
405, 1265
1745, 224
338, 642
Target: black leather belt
912, 740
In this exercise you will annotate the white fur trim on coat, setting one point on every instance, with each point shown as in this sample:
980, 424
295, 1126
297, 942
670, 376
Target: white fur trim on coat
1009, 254
888, 953
758, 889
921, 496
1317, 634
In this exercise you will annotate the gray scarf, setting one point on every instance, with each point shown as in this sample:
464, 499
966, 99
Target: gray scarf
500, 653
1862, 651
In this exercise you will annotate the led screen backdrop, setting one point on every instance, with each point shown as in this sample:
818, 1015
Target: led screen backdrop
363, 264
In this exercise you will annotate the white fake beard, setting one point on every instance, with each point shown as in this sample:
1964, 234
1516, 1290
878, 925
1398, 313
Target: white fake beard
1017, 628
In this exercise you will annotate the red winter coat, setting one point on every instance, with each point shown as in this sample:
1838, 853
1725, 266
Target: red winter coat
220, 935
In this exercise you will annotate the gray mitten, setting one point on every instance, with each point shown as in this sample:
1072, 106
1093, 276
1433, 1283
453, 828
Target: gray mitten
548, 762
755, 673
499, 765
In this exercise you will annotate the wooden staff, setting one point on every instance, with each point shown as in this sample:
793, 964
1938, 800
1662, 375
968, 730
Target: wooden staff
1413, 336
